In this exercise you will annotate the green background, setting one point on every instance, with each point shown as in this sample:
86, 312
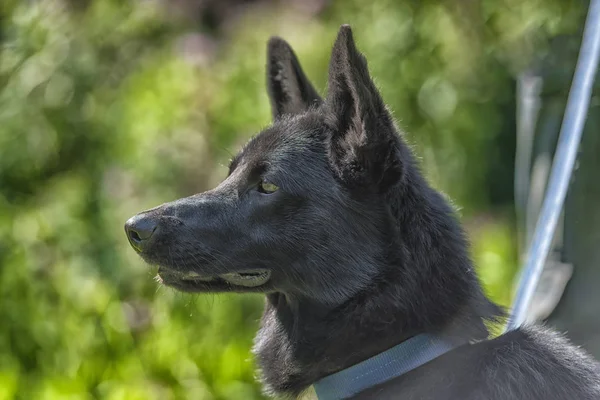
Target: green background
110, 107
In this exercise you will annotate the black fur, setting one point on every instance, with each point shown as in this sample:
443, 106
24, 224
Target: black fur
362, 252
290, 91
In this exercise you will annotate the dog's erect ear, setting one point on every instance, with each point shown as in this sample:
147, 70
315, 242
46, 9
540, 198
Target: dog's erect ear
290, 91
364, 144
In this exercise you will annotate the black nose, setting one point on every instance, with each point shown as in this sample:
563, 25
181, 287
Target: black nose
139, 229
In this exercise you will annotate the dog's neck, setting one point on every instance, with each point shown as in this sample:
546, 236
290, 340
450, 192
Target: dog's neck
294, 350
301, 341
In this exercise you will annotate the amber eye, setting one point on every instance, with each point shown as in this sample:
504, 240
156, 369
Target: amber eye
267, 187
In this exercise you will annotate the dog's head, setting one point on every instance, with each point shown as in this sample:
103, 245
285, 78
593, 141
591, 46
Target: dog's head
305, 208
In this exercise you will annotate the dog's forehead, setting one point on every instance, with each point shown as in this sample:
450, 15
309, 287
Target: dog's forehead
287, 140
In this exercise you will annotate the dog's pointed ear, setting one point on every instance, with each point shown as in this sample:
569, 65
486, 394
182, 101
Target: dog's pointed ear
364, 144
290, 91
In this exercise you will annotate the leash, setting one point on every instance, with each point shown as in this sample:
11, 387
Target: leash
378, 369
562, 167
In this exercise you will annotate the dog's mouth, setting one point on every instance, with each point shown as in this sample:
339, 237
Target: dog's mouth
195, 281
251, 278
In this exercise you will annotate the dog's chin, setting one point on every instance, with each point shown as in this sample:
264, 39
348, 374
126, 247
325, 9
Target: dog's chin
251, 280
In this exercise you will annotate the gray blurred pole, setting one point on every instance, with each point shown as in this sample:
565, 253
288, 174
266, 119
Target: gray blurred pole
543, 92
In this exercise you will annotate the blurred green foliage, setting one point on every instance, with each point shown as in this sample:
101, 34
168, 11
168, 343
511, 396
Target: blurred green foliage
108, 107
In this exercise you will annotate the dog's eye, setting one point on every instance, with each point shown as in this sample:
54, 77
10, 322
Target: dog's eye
267, 187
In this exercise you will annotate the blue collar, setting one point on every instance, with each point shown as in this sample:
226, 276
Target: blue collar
378, 369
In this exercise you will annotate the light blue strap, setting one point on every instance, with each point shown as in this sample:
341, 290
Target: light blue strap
562, 166
390, 364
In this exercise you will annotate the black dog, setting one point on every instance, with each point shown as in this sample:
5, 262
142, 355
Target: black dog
326, 213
